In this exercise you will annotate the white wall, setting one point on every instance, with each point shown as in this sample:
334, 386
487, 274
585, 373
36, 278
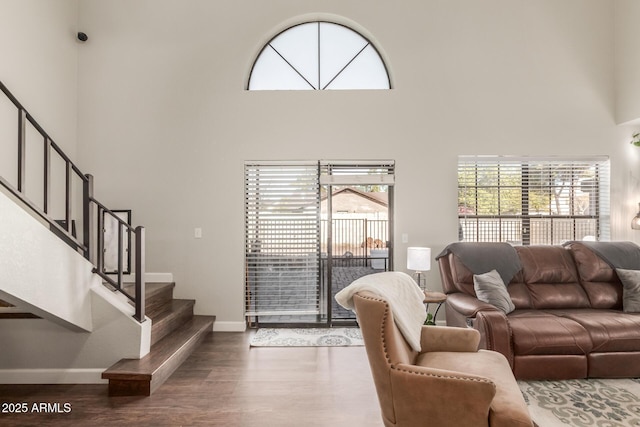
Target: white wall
166, 124
39, 65
40, 273
627, 60
627, 113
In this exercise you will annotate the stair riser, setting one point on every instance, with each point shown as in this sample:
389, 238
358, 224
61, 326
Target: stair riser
129, 388
161, 329
177, 360
158, 302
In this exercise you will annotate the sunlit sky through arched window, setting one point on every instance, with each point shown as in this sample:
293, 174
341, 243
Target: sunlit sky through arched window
318, 56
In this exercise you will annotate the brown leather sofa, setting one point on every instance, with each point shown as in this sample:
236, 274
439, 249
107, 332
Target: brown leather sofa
568, 320
448, 383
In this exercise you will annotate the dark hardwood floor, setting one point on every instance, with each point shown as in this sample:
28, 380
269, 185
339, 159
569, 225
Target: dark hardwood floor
223, 383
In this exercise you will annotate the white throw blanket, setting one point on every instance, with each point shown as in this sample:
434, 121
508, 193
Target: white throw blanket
405, 299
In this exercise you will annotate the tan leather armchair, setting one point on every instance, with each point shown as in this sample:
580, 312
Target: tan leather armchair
449, 383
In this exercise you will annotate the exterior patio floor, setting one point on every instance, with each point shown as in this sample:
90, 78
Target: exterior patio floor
342, 276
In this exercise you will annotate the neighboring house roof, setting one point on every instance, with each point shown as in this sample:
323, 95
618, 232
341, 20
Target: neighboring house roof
352, 200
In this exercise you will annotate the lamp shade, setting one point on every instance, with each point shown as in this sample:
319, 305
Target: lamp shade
419, 259
635, 222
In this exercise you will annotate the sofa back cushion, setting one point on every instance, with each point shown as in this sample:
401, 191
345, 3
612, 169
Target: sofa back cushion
598, 279
551, 277
462, 279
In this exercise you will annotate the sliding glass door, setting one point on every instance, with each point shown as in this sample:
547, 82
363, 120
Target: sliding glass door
356, 239
311, 228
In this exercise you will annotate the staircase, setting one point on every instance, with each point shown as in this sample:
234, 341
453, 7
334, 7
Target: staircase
9, 311
175, 333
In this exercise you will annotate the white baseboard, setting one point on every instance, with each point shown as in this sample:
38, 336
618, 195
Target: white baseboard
219, 326
52, 376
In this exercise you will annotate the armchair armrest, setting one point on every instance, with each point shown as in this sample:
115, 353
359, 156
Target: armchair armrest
444, 338
426, 394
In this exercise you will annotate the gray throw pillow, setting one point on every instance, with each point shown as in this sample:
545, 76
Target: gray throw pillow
630, 289
491, 289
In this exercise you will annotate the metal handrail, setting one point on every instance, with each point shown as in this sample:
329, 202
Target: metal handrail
92, 244
139, 233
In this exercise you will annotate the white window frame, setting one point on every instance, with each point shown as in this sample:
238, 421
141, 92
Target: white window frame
319, 55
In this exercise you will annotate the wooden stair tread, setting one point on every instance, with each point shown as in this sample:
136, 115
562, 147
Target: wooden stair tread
9, 311
165, 356
150, 288
13, 313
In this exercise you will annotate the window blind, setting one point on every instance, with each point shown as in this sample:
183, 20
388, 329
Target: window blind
357, 173
282, 238
533, 200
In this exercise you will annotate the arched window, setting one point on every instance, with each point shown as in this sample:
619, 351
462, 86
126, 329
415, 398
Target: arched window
318, 56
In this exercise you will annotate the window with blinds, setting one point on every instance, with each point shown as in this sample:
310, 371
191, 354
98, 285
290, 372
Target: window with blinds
282, 238
533, 200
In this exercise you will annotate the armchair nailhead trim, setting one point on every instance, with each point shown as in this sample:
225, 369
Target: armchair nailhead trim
448, 377
382, 329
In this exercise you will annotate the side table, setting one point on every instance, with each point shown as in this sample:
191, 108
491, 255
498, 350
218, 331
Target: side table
431, 297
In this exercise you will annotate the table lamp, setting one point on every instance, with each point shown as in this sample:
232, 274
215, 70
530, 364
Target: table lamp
419, 260
635, 222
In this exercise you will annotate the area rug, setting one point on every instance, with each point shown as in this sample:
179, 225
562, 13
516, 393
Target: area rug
307, 337
579, 403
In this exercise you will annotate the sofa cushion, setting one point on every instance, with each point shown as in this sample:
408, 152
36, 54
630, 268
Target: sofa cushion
551, 277
537, 332
598, 279
609, 330
630, 289
491, 289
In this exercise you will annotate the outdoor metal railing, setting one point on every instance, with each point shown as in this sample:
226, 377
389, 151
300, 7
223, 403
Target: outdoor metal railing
91, 212
355, 237
548, 229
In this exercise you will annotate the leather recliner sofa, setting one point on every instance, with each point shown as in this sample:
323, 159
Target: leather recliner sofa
568, 320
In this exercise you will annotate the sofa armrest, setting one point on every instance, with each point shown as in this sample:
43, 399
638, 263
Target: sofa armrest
439, 396
495, 332
468, 305
444, 338
492, 323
